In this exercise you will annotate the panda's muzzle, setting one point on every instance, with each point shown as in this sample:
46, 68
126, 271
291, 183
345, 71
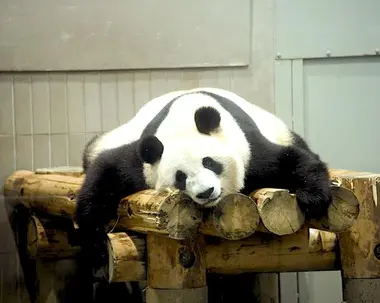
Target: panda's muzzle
206, 194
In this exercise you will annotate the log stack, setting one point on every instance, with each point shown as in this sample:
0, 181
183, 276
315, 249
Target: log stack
166, 239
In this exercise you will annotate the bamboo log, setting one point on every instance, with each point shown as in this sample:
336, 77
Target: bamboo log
126, 258
322, 241
51, 194
279, 210
74, 171
167, 211
170, 212
48, 242
342, 213
234, 217
281, 215
271, 253
303, 250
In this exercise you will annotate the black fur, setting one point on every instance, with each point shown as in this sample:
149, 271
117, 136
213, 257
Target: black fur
295, 167
114, 174
150, 149
180, 180
86, 152
212, 165
207, 119
206, 194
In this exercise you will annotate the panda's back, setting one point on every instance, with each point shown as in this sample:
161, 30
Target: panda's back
172, 115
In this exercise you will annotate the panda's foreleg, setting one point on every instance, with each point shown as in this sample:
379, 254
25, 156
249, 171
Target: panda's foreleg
308, 177
97, 203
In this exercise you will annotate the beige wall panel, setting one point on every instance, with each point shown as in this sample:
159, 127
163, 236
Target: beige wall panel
109, 101
58, 103
41, 151
24, 152
6, 105
6, 158
189, 78
125, 92
173, 78
76, 146
92, 102
23, 104
141, 88
59, 150
96, 35
40, 103
75, 103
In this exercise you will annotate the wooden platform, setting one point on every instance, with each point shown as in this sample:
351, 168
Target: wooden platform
168, 242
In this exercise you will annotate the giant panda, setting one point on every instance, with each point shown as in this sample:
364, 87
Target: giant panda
206, 142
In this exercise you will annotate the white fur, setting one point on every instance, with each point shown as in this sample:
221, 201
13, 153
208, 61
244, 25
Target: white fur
184, 146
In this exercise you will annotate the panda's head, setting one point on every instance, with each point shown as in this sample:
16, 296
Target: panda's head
201, 165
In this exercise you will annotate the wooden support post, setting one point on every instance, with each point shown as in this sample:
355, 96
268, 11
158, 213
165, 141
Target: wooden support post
176, 270
360, 246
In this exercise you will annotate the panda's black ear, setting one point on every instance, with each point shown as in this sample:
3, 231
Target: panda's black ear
207, 119
150, 149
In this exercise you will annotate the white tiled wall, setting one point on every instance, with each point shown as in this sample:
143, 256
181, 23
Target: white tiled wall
46, 118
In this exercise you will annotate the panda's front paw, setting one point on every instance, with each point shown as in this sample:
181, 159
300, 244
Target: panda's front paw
314, 202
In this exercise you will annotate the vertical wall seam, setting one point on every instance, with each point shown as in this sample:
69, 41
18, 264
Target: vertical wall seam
49, 121
14, 132
117, 97
31, 119
291, 95
84, 106
67, 122
134, 92
101, 102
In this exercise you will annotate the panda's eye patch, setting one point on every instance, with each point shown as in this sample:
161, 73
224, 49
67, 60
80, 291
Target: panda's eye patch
212, 165
180, 180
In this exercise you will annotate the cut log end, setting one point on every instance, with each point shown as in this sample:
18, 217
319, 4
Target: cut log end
126, 255
168, 211
48, 240
322, 241
182, 217
342, 213
235, 217
279, 210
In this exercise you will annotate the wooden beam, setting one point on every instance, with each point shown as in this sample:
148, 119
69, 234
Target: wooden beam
271, 253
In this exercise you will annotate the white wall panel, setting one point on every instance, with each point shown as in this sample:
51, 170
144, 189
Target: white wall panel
123, 34
341, 111
309, 29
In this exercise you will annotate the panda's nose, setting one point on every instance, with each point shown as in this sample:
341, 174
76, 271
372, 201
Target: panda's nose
206, 194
